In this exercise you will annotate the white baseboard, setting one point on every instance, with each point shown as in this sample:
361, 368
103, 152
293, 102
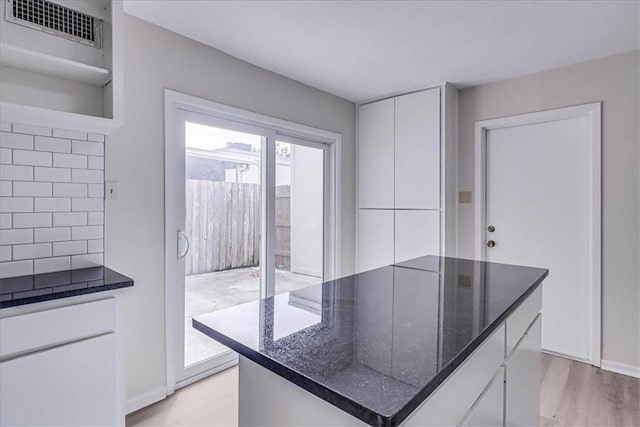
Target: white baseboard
566, 356
145, 399
621, 368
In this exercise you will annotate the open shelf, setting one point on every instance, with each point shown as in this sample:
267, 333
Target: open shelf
55, 81
30, 60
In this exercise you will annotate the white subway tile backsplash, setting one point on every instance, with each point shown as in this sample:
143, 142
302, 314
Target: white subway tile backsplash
87, 204
16, 173
69, 161
31, 130
52, 199
89, 148
39, 250
61, 219
88, 176
49, 265
95, 137
96, 162
52, 174
69, 190
16, 237
5, 221
70, 248
31, 158
96, 218
16, 204
88, 232
55, 234
71, 134
32, 220
96, 190
6, 188
16, 268
55, 145
32, 189
95, 246
6, 156
86, 261
52, 204
5, 253
14, 140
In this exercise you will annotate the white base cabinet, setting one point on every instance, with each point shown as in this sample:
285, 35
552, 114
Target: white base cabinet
70, 385
523, 370
491, 383
61, 364
488, 409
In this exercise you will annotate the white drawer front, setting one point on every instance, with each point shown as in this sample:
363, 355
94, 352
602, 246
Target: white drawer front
71, 385
448, 405
520, 319
28, 332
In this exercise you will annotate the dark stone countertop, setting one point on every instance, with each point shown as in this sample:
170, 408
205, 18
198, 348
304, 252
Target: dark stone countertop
378, 343
34, 288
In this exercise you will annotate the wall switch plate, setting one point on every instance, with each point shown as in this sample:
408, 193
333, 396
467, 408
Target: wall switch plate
464, 281
464, 197
111, 190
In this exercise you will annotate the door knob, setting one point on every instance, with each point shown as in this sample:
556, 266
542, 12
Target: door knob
491, 243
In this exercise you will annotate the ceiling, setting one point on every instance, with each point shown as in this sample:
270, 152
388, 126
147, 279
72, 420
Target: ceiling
362, 50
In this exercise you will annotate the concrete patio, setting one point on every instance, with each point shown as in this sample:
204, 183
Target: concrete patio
222, 289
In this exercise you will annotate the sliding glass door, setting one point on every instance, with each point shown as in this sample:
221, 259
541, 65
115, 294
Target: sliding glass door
251, 209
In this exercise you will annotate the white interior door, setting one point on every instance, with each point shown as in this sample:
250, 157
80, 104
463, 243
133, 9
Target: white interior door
540, 212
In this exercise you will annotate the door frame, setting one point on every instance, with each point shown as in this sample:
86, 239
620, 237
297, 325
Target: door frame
175, 103
593, 112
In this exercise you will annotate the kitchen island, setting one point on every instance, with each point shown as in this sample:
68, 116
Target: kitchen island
430, 341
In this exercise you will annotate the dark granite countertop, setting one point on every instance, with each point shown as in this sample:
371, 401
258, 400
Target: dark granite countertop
23, 290
378, 343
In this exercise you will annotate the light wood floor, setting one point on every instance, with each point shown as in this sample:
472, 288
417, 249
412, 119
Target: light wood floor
578, 394
572, 394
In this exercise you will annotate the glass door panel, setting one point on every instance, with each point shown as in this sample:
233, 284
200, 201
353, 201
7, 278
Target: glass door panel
223, 170
299, 215
251, 218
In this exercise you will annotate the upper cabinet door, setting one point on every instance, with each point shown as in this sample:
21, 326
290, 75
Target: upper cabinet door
417, 150
375, 154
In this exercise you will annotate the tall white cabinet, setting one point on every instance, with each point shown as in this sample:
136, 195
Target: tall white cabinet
407, 155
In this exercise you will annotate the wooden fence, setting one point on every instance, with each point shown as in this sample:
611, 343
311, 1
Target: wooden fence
223, 226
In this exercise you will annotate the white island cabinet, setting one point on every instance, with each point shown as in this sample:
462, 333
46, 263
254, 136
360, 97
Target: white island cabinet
61, 364
409, 344
491, 383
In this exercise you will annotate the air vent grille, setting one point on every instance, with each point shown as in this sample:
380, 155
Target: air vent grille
54, 18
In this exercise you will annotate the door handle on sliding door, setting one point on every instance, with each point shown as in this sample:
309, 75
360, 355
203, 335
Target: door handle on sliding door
182, 235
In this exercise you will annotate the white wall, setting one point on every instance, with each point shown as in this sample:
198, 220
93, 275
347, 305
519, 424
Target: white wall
614, 81
155, 59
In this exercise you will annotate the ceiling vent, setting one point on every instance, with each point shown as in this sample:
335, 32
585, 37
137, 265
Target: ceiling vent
53, 18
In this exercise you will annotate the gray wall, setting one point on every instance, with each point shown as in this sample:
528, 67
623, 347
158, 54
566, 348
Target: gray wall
614, 81
155, 59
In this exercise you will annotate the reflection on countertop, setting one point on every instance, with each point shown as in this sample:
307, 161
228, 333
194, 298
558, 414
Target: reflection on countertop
377, 343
